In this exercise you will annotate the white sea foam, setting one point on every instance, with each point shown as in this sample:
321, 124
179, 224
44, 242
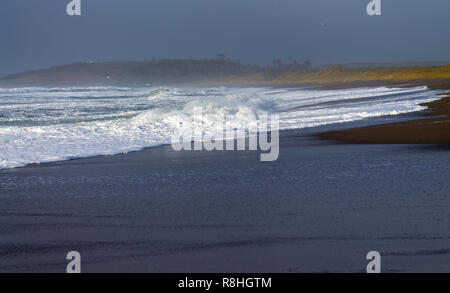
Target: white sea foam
51, 124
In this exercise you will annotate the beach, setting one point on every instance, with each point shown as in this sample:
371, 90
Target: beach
321, 207
433, 128
267, 138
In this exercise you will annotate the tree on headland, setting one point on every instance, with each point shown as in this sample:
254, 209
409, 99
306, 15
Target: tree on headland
307, 64
222, 57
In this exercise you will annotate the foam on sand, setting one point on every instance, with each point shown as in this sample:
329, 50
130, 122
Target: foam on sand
51, 124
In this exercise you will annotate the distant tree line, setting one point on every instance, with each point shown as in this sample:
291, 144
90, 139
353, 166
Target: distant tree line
277, 64
150, 72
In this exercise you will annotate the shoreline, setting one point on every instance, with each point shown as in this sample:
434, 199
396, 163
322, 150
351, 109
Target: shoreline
159, 210
319, 208
433, 129
314, 132
430, 126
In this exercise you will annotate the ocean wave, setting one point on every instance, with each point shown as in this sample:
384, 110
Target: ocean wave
51, 124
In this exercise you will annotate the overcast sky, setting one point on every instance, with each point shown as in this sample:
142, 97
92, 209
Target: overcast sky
38, 33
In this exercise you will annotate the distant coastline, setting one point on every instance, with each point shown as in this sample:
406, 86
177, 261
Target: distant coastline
435, 129
210, 72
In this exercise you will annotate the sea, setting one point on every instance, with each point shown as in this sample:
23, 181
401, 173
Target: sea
40, 124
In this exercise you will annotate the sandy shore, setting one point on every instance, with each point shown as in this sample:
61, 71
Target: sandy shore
319, 208
435, 129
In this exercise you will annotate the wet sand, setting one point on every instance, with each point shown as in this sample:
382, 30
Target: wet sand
435, 129
319, 208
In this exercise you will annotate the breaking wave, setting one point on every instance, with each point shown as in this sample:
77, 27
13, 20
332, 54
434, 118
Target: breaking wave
52, 124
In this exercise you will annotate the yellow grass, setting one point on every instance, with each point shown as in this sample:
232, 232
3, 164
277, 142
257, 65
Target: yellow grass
340, 74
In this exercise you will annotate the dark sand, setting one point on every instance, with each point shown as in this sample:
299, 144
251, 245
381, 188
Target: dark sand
320, 208
435, 129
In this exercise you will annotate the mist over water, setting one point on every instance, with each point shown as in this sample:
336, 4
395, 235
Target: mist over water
40, 34
51, 124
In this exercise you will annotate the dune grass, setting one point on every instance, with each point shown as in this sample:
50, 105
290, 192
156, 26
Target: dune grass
337, 74
341, 74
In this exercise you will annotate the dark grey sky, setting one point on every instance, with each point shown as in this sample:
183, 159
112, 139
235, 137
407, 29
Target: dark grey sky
38, 33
